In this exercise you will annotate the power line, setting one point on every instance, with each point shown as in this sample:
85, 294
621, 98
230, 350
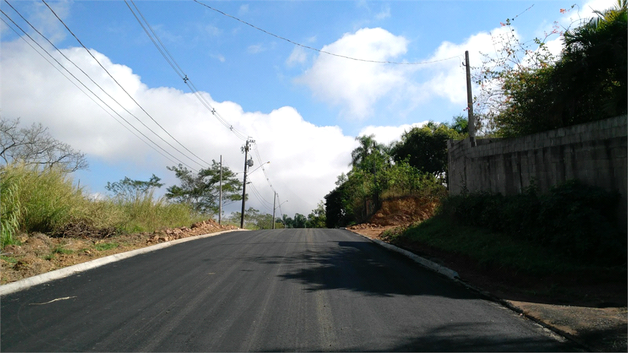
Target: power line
78, 80
179, 71
130, 96
74, 83
324, 51
165, 53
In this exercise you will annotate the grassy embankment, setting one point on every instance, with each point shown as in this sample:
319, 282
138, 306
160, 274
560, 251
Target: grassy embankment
569, 229
47, 201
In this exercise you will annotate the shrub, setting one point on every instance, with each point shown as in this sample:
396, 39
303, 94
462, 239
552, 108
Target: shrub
572, 218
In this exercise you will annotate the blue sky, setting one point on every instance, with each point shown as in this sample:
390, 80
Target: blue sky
304, 108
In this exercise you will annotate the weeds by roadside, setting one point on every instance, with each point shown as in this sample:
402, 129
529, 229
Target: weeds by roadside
46, 201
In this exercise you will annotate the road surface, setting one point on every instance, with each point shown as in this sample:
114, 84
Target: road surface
273, 290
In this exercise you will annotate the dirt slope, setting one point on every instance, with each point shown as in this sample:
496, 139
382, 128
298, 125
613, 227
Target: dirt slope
78, 243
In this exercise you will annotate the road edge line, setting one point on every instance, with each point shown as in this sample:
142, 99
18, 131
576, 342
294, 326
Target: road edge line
84, 266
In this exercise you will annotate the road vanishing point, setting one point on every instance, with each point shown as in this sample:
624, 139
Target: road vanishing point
268, 290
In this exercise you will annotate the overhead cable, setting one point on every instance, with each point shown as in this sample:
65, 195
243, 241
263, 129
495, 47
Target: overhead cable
75, 85
204, 163
178, 70
324, 51
78, 80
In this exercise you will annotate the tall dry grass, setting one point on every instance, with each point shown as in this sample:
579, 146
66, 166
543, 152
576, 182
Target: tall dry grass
46, 200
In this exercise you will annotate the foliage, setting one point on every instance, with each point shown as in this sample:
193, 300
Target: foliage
42, 200
10, 208
36, 200
146, 213
129, 189
369, 155
425, 148
574, 219
317, 218
374, 175
490, 249
253, 219
34, 146
201, 190
526, 90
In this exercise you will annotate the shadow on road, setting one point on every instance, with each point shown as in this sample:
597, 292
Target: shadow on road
363, 267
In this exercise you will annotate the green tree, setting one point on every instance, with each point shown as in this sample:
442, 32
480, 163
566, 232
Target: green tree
300, 221
317, 218
526, 90
201, 190
369, 154
425, 148
128, 189
287, 221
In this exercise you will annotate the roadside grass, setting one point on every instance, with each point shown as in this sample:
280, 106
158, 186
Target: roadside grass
106, 246
61, 250
489, 249
46, 201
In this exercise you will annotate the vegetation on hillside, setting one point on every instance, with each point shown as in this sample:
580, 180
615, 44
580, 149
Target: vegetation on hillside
525, 89
46, 200
416, 165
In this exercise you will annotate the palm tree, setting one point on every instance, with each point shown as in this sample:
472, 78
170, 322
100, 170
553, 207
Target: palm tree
368, 146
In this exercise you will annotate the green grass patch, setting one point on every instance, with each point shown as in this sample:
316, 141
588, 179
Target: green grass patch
61, 250
489, 249
105, 246
8, 259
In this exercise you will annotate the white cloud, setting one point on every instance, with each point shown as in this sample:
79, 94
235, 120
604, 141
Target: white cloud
384, 14
387, 134
218, 57
354, 85
298, 56
256, 48
305, 158
450, 78
574, 16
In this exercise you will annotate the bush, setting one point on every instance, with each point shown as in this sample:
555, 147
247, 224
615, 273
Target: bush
572, 218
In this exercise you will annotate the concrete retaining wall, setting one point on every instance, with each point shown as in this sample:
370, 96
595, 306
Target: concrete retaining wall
595, 153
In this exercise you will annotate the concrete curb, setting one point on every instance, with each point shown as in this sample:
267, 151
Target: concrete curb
70, 270
449, 273
453, 275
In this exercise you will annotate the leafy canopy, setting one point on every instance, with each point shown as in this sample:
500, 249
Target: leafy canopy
201, 190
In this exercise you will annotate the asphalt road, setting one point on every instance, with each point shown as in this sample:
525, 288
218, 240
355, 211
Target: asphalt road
295, 290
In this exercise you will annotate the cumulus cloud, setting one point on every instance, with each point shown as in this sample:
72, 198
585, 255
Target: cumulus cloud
298, 56
305, 158
388, 134
384, 14
354, 85
448, 80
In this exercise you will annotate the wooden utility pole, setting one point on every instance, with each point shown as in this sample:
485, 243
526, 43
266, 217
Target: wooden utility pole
274, 198
247, 164
471, 122
220, 195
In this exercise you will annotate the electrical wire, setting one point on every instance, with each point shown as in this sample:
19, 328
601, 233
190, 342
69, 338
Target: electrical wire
81, 82
77, 86
130, 96
178, 70
264, 203
324, 51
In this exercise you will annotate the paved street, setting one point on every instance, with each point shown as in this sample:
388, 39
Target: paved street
272, 290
